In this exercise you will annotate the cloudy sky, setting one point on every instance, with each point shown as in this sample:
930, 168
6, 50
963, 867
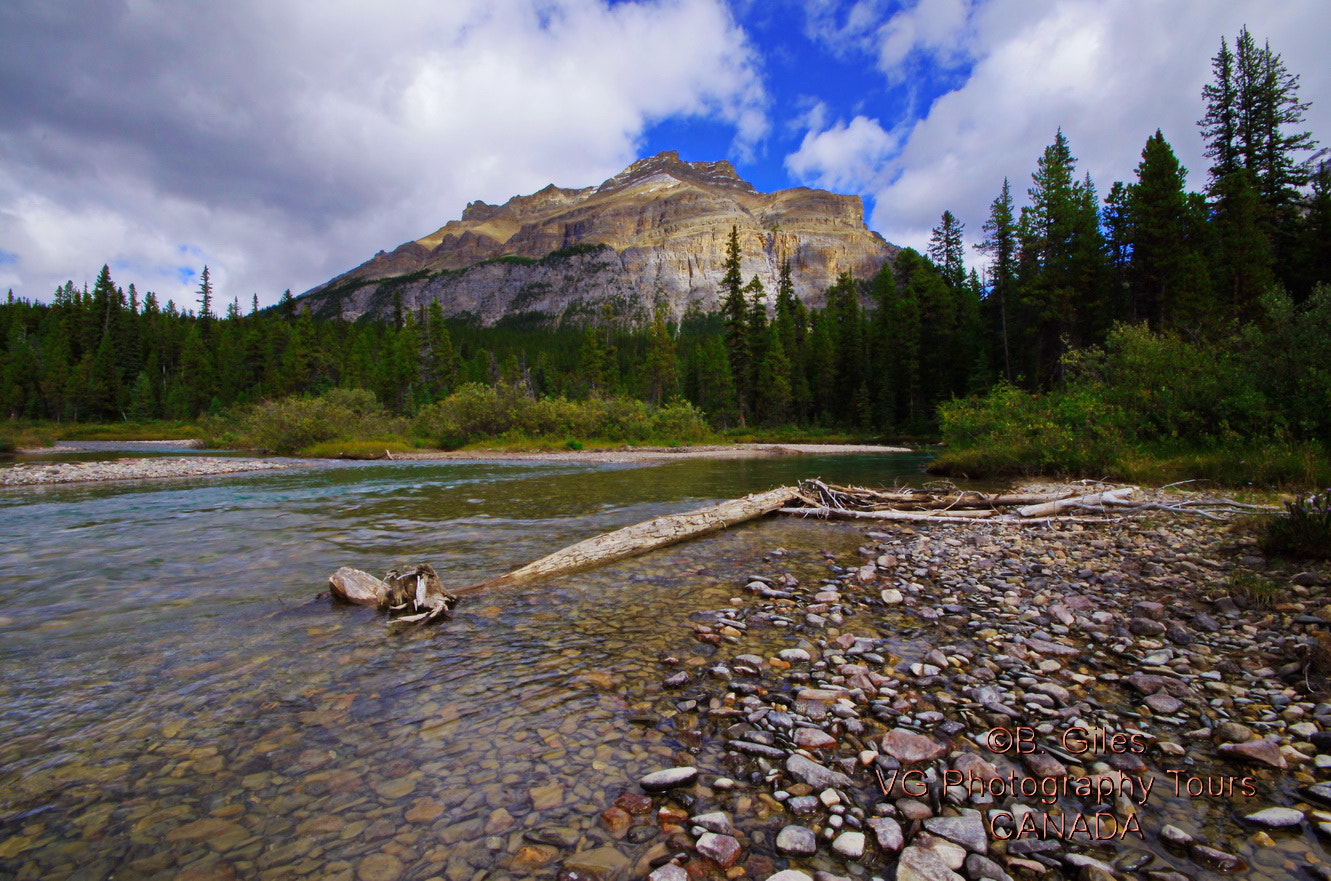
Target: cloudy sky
282, 142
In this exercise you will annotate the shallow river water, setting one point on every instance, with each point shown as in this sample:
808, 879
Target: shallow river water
178, 695
180, 699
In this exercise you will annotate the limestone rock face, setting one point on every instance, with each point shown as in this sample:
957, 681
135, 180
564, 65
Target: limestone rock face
657, 230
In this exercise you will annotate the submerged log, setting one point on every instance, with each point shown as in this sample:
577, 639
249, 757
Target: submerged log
643, 537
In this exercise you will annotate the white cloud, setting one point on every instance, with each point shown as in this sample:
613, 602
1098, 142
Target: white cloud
285, 142
933, 27
845, 156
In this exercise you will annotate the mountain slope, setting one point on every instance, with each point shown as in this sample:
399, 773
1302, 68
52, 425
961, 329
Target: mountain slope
655, 231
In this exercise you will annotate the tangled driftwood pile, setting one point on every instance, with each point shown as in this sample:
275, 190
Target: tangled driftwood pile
419, 597
412, 596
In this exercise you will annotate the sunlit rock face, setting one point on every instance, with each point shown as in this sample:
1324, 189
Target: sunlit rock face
654, 233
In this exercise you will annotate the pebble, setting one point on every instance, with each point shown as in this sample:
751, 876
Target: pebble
669, 778
797, 841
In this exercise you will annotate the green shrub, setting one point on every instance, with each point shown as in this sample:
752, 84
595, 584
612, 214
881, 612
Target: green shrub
291, 424
7, 447
1304, 530
478, 412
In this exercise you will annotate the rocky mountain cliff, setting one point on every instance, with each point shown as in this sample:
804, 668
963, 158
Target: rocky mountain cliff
657, 230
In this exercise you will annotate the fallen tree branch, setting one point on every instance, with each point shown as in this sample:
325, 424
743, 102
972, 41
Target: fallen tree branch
1091, 501
643, 537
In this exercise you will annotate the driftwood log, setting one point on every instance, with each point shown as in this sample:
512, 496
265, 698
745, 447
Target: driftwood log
415, 594
643, 537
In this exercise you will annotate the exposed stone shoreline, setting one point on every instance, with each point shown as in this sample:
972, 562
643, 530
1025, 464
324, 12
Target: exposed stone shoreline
1122, 653
154, 468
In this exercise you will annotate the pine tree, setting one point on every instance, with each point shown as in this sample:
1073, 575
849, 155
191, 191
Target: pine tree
661, 366
1000, 243
1161, 250
735, 311
947, 251
205, 295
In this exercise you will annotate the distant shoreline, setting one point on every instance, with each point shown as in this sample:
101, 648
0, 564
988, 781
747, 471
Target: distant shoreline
157, 468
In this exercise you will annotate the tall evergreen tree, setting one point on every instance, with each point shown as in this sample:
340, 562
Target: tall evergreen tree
1000, 243
947, 251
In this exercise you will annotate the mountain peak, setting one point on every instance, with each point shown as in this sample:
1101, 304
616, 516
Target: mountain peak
658, 229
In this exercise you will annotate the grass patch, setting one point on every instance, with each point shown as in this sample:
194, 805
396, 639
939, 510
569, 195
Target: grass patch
1254, 591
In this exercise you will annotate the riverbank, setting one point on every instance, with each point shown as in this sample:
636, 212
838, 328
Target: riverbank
1131, 698
154, 468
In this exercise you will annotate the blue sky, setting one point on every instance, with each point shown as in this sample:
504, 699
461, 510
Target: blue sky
285, 141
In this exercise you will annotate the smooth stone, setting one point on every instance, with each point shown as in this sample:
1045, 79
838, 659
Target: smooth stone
796, 841
817, 776
1260, 751
669, 872
1163, 703
720, 849
1174, 835
790, 875
1276, 818
849, 845
716, 821
967, 830
813, 738
533, 856
924, 864
670, 778
909, 748
981, 868
888, 833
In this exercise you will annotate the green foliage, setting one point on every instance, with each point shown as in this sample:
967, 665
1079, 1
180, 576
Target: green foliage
1254, 591
478, 412
1152, 406
1304, 530
295, 423
7, 447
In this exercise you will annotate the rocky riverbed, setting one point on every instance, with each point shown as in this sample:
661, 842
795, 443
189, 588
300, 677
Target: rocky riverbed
148, 468
1130, 699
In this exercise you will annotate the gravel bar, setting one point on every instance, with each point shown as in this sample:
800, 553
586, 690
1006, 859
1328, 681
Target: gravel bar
29, 474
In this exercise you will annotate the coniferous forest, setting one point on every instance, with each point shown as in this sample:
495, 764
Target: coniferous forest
1106, 321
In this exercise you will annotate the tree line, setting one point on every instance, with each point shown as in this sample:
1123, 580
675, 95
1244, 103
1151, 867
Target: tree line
881, 355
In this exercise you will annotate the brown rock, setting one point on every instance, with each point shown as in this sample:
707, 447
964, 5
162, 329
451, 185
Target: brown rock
533, 856
1260, 752
616, 821
908, 747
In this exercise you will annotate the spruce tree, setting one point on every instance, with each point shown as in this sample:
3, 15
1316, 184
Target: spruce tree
1000, 243
947, 251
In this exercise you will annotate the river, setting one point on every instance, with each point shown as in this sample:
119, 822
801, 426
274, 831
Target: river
180, 698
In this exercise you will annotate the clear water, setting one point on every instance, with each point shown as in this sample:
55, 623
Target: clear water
177, 693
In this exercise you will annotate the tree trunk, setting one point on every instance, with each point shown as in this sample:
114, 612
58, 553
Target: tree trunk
642, 537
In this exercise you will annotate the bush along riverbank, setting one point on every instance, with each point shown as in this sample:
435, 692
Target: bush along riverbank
352, 423
1139, 697
1155, 407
